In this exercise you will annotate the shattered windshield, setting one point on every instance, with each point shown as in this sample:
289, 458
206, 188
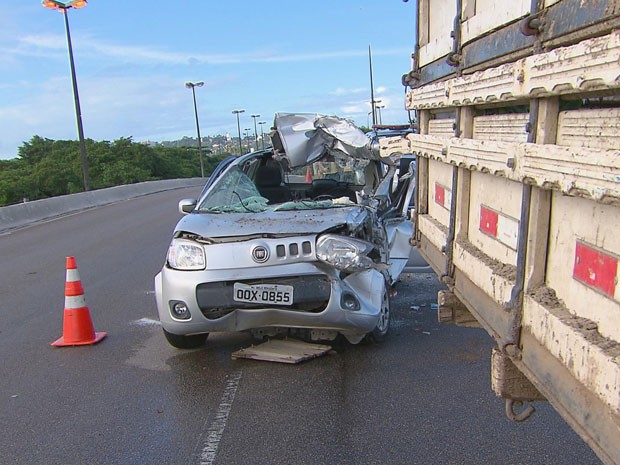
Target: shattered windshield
235, 192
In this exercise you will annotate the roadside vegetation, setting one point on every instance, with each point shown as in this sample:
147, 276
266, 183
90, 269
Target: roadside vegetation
47, 168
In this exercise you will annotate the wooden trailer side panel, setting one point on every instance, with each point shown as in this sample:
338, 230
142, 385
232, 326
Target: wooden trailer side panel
519, 194
584, 253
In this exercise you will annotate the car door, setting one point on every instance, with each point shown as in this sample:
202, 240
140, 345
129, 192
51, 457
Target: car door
397, 199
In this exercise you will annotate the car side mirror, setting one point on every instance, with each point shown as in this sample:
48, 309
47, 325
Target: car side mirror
187, 206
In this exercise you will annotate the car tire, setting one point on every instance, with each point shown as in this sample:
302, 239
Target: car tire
383, 324
186, 342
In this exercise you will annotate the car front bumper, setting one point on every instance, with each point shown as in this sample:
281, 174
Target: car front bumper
367, 286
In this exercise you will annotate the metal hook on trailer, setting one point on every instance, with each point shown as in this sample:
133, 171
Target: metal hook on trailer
521, 416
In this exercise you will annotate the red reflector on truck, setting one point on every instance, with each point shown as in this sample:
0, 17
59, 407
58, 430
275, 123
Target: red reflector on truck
595, 268
488, 221
443, 196
499, 226
440, 194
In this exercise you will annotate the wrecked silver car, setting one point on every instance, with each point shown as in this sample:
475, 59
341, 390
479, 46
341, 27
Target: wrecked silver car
304, 238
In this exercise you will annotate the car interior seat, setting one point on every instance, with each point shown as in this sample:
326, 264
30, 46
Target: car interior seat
331, 188
269, 183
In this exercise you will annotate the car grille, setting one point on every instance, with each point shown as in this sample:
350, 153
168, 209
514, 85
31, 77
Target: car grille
310, 294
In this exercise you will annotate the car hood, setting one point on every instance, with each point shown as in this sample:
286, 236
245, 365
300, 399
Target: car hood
296, 222
307, 137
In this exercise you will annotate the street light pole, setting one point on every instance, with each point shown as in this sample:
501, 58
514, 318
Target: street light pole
237, 112
372, 89
255, 133
246, 131
63, 7
193, 85
379, 107
375, 110
262, 135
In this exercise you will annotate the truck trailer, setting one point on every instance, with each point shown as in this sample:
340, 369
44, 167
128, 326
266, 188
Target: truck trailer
516, 111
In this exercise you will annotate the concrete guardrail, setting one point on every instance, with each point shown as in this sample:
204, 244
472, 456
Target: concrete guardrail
24, 214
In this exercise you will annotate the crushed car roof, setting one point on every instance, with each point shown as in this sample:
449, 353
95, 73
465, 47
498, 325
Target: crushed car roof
307, 137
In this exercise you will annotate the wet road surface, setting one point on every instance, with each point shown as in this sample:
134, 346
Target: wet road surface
421, 397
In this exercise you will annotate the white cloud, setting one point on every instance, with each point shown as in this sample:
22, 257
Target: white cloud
42, 44
341, 91
136, 90
353, 108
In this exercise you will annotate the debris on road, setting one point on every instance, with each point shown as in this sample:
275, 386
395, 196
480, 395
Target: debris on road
283, 351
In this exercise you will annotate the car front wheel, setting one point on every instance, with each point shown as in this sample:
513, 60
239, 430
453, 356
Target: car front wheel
186, 342
383, 323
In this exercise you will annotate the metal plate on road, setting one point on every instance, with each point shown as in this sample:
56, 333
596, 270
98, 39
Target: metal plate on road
283, 351
279, 294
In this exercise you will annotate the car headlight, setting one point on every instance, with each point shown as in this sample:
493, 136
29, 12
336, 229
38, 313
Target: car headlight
344, 253
186, 255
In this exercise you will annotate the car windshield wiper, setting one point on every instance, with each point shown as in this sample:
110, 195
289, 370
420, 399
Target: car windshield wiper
243, 204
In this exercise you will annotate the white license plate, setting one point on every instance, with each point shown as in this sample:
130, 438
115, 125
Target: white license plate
279, 294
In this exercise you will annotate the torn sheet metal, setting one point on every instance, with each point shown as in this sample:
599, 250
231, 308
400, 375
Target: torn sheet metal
291, 222
307, 137
283, 351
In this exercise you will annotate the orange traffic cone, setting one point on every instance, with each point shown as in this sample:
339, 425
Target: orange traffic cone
77, 327
308, 175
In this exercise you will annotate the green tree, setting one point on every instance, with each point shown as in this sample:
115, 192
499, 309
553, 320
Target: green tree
47, 168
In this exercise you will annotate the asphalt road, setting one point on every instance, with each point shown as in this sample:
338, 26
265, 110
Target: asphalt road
421, 397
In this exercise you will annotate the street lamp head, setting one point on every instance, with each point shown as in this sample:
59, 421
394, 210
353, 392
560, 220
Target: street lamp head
189, 85
236, 112
60, 5
255, 116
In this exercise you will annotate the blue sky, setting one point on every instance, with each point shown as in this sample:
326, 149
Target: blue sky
133, 57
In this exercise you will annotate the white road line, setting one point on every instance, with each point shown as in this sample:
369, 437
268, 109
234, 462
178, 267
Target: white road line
217, 426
